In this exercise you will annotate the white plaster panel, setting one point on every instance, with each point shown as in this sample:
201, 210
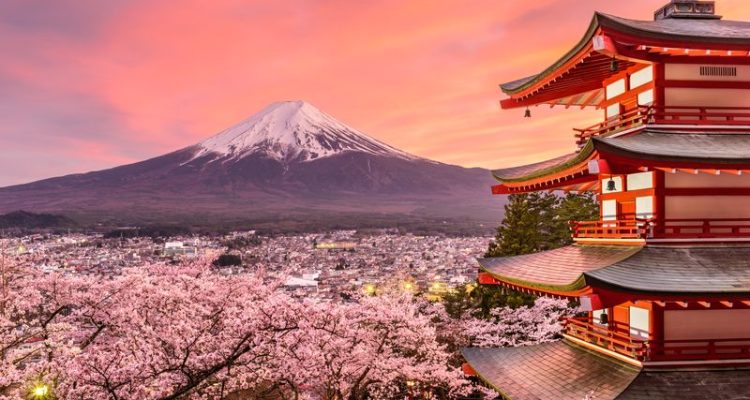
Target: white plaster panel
642, 77
701, 180
641, 180
708, 207
706, 324
615, 88
639, 323
609, 210
704, 97
691, 72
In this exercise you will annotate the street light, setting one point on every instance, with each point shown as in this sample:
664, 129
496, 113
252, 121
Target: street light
40, 391
370, 289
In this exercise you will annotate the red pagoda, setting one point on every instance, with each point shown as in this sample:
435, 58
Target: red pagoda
664, 274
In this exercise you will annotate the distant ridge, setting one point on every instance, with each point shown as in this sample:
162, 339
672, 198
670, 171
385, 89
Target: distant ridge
28, 220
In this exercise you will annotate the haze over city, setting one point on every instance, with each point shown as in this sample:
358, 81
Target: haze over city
93, 86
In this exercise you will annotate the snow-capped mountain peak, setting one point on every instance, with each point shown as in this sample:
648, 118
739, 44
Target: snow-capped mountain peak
292, 130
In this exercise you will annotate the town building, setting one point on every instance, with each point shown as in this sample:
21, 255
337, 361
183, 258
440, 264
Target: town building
664, 275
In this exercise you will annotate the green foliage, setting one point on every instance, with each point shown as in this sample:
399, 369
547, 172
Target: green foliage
540, 221
226, 260
533, 222
479, 301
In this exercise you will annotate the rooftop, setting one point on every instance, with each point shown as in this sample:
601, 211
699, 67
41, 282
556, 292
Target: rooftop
562, 370
659, 269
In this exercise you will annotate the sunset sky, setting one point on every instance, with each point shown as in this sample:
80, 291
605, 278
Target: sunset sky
89, 85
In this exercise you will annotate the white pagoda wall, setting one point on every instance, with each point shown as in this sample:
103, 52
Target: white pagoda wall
706, 324
707, 97
696, 207
706, 207
701, 180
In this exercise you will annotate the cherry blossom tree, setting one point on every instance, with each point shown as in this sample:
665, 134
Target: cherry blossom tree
191, 332
522, 326
378, 347
166, 333
31, 328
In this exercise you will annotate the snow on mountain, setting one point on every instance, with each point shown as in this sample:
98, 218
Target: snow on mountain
292, 130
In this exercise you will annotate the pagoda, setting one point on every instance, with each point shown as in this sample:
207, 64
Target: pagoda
663, 277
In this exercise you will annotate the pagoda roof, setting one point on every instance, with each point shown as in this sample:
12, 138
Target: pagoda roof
566, 169
687, 30
557, 270
583, 68
688, 385
541, 168
555, 370
562, 370
689, 270
698, 270
651, 144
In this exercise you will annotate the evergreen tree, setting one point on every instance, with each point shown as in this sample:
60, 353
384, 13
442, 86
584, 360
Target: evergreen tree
540, 221
575, 207
529, 225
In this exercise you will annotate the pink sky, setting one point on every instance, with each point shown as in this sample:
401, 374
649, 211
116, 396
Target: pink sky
92, 85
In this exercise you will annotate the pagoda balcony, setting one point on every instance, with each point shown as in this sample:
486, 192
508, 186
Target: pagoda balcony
654, 229
665, 115
622, 229
616, 337
613, 337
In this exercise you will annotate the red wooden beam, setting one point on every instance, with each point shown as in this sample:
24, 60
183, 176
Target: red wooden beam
468, 370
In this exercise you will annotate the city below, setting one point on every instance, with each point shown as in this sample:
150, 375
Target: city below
318, 266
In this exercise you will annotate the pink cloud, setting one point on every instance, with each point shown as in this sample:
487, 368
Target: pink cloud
136, 79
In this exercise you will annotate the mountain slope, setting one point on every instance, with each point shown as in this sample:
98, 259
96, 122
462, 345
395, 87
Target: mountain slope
289, 159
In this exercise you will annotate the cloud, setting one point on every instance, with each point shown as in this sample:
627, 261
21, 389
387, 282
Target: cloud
93, 85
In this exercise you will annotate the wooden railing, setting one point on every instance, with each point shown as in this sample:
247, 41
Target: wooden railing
624, 120
616, 337
701, 228
689, 115
655, 114
699, 349
622, 229
617, 340
717, 228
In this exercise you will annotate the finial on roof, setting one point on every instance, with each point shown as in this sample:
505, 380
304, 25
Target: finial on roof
687, 9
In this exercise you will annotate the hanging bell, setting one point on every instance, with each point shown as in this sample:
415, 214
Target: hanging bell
604, 318
614, 65
611, 185
527, 113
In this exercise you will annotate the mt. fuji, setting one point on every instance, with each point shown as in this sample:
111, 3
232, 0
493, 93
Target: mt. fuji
288, 161
293, 131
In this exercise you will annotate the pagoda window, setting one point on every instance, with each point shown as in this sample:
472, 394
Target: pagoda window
642, 77
639, 323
